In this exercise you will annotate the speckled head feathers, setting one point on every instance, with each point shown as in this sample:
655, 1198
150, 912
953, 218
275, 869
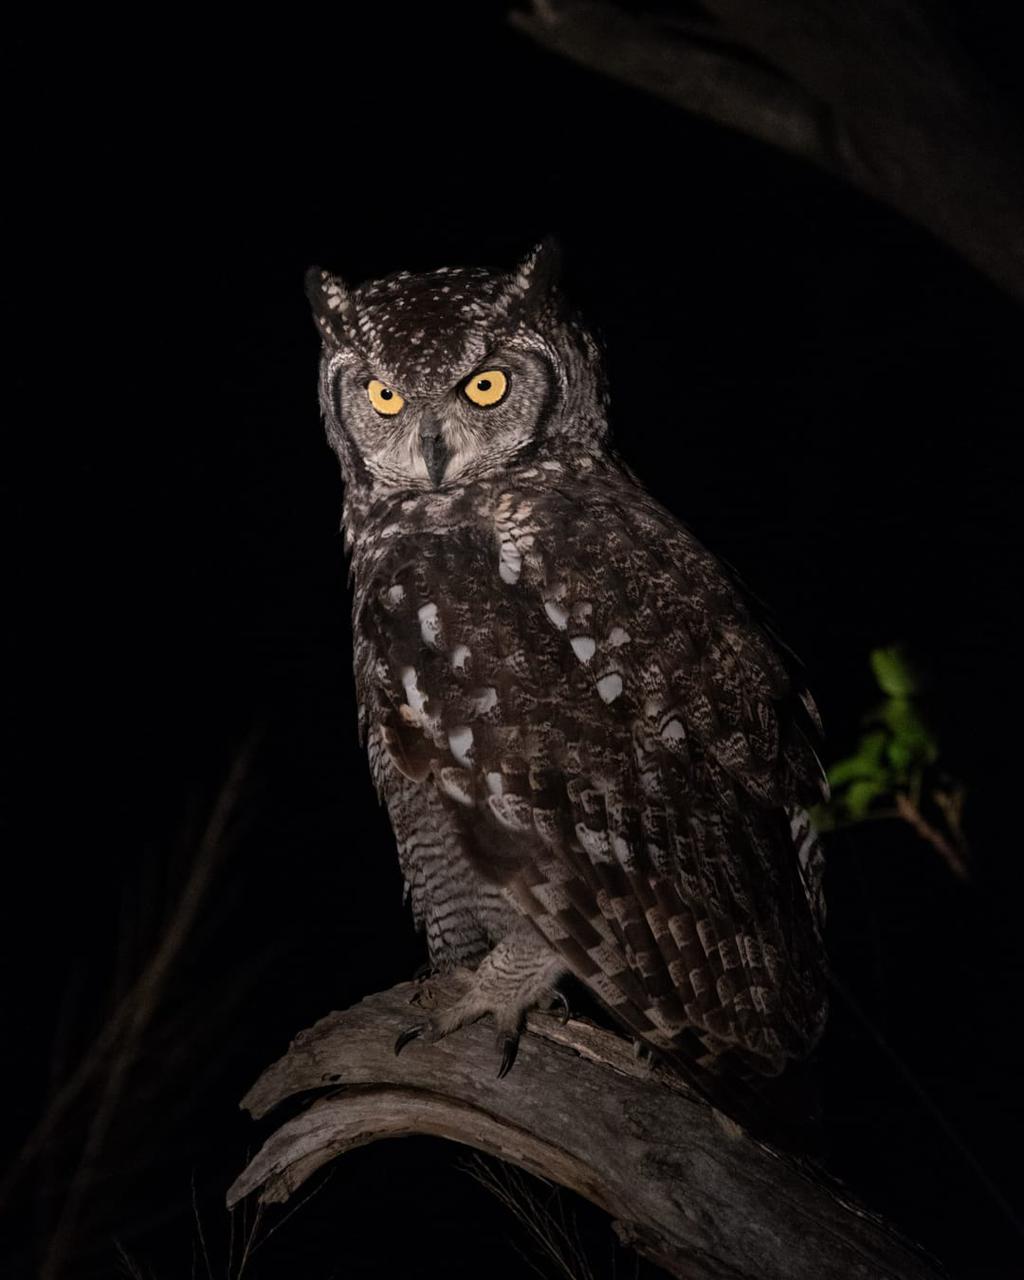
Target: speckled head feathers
404, 359
417, 327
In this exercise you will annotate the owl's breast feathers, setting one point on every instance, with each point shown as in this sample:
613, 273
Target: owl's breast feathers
587, 689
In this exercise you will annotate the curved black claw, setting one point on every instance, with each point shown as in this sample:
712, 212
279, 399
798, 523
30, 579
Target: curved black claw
424, 971
560, 1000
509, 1048
410, 1033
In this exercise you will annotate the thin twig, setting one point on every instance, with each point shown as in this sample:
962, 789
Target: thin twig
550, 1234
133, 1014
131, 1267
199, 1229
288, 1216
910, 813
128, 1025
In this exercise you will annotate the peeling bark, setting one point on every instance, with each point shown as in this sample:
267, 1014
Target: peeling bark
685, 1185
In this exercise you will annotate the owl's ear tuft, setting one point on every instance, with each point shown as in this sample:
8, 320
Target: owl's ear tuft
528, 286
331, 302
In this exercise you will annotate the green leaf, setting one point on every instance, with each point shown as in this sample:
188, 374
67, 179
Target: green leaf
866, 762
914, 738
858, 798
901, 755
894, 672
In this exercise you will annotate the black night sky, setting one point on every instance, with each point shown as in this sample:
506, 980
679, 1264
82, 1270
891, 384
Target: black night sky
848, 403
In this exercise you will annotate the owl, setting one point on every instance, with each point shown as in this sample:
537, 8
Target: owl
596, 760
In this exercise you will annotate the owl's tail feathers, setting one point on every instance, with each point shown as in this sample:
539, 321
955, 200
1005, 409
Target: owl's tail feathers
783, 1110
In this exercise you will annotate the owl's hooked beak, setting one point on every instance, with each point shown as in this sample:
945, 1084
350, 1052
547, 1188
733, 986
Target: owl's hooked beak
435, 451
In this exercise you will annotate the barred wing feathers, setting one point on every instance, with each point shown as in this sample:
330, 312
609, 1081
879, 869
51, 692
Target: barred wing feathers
625, 750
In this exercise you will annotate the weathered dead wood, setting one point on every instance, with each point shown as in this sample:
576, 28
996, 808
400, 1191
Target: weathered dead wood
875, 92
685, 1186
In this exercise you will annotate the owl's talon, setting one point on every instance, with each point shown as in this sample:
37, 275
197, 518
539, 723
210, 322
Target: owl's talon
563, 1004
423, 972
409, 1034
510, 1047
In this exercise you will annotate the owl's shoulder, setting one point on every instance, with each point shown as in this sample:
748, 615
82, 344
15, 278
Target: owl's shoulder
578, 515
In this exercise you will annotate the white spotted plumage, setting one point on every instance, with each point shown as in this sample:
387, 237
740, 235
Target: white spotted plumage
593, 756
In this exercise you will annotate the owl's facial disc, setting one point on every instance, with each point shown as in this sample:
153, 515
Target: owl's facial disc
427, 426
460, 423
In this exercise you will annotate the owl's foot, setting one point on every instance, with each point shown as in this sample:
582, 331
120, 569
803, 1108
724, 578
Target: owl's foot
409, 1034
475, 1004
517, 975
507, 1042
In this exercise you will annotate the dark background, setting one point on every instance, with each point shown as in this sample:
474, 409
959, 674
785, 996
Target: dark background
848, 405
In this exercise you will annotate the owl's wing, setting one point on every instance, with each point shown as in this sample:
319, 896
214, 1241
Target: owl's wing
626, 751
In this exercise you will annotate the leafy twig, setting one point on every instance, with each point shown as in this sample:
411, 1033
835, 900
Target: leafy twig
892, 770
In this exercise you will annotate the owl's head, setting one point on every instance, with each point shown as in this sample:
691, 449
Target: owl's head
436, 379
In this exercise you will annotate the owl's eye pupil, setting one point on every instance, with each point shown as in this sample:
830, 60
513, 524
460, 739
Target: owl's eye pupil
484, 384
386, 394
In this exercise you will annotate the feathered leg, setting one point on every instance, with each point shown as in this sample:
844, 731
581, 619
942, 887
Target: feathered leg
520, 973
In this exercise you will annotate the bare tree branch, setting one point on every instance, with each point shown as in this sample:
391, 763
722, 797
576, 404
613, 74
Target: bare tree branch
873, 92
686, 1186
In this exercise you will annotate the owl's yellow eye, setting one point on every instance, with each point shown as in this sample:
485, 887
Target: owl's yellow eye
487, 389
383, 398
